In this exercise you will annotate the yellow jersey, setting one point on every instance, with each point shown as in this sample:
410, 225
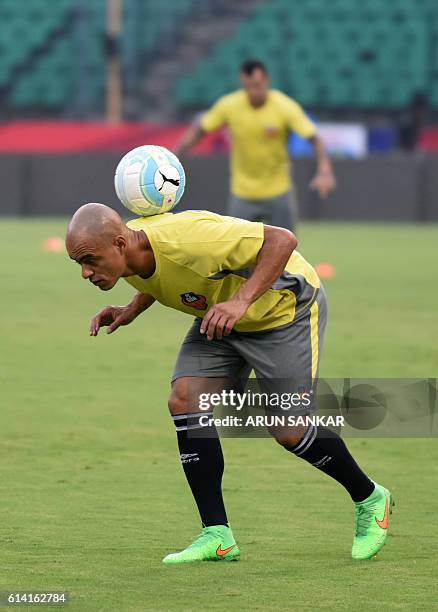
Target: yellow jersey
260, 164
202, 258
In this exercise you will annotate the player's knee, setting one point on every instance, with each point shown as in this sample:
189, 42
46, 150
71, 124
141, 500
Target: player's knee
287, 442
286, 438
177, 401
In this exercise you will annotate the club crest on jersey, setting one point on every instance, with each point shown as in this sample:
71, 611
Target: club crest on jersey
271, 131
194, 300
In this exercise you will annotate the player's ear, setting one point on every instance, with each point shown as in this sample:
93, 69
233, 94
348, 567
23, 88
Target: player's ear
120, 243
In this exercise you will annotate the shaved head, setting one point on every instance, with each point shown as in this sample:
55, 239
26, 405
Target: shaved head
96, 222
97, 239
107, 250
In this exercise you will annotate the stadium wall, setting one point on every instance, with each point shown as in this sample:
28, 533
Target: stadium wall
398, 188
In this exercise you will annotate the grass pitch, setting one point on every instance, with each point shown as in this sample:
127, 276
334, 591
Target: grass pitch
92, 492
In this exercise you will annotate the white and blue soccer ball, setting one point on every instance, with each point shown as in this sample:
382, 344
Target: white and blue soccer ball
149, 180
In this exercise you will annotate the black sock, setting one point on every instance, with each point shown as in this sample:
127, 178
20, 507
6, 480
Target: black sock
326, 451
203, 464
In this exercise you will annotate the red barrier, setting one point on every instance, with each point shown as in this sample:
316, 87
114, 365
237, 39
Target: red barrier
73, 137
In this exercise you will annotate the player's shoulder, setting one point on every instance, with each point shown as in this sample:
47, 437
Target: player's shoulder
195, 215
174, 219
279, 97
233, 99
145, 222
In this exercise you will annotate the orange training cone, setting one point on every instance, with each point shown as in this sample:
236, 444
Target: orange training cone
325, 270
53, 245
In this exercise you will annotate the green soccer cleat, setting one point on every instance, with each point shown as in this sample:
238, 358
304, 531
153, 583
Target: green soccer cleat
215, 543
372, 519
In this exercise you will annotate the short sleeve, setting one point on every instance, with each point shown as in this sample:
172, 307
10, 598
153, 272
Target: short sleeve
209, 244
237, 244
214, 118
298, 121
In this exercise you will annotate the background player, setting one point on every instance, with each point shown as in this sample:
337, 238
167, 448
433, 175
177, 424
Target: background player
242, 278
259, 120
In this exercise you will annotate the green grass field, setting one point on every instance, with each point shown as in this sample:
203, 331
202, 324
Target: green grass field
92, 492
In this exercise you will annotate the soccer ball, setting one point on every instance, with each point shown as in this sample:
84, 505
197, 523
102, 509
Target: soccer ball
149, 180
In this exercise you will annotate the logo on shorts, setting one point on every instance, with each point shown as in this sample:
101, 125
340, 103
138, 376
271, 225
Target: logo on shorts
194, 300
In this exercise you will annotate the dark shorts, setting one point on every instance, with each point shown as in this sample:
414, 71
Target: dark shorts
288, 353
280, 211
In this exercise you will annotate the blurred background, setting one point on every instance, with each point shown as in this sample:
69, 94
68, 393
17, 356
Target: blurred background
83, 81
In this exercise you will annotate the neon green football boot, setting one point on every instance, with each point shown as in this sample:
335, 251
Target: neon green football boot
215, 543
372, 519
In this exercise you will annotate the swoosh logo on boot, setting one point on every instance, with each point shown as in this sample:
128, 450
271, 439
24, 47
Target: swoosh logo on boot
384, 522
221, 552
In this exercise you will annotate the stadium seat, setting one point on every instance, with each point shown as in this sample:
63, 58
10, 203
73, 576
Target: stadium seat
380, 65
27, 27
324, 42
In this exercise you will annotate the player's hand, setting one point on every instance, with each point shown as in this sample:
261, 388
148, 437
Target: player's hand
221, 318
324, 183
112, 317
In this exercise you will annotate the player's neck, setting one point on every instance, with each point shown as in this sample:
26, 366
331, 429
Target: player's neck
140, 260
258, 103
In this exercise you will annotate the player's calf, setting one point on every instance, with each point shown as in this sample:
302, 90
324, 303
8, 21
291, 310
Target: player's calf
327, 452
203, 463
200, 449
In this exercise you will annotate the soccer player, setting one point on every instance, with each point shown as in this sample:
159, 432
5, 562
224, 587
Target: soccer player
257, 304
259, 120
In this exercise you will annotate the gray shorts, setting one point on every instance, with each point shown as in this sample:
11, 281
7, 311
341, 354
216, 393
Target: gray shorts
280, 211
290, 353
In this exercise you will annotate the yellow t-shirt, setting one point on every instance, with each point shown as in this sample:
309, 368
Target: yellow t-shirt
202, 259
260, 165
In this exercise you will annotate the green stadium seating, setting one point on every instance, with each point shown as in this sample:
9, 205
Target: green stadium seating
41, 69
160, 19
332, 53
326, 53
51, 84
24, 31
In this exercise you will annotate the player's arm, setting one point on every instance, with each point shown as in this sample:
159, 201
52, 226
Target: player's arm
213, 119
277, 247
190, 138
324, 181
115, 316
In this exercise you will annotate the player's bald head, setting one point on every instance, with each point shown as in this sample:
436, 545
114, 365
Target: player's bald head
98, 240
95, 222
